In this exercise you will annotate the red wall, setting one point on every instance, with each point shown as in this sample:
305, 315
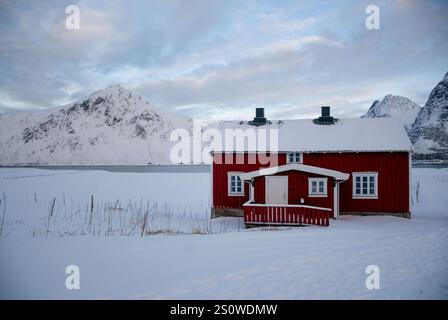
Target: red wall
393, 181
220, 197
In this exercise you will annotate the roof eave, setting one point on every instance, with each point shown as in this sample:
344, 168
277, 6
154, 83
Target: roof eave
297, 167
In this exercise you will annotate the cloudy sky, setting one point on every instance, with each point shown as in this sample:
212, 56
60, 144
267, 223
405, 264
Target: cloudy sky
220, 59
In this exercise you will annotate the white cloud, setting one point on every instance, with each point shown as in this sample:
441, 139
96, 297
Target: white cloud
222, 57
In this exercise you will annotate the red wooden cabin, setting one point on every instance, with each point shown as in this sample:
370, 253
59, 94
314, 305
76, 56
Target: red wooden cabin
322, 168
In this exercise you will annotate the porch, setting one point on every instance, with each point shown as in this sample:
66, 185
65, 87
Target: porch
293, 194
287, 214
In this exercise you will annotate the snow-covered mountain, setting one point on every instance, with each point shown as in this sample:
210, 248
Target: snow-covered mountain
429, 133
401, 108
111, 126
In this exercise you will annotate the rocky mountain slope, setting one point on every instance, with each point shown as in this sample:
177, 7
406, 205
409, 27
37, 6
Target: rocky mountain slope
401, 108
429, 133
427, 126
111, 126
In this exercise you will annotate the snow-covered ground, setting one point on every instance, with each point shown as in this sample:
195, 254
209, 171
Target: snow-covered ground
178, 202
184, 255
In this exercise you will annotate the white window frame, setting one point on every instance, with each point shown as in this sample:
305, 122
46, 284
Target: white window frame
231, 193
317, 194
296, 154
367, 195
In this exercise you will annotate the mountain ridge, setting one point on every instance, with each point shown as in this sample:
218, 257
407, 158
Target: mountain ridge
109, 126
429, 133
114, 126
426, 126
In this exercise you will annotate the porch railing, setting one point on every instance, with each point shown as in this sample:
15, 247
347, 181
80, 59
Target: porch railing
270, 214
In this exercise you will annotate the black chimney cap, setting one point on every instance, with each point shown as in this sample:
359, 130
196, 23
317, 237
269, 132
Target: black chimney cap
325, 117
259, 117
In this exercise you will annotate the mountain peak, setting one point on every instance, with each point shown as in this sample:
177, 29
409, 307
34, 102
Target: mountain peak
116, 86
402, 108
115, 90
399, 102
391, 96
109, 126
112, 89
110, 100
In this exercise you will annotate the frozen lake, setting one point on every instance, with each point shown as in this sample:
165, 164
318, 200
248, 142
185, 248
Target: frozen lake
112, 168
164, 168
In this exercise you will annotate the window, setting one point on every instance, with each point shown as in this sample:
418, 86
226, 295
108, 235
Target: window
293, 157
317, 187
365, 185
235, 184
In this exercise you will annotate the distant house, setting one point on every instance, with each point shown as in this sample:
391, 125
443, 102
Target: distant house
324, 168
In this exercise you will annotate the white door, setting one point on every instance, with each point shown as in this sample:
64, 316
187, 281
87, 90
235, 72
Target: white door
277, 190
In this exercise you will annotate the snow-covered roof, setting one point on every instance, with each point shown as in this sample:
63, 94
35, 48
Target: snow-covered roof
353, 134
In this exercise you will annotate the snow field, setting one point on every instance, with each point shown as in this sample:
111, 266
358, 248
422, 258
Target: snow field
290, 263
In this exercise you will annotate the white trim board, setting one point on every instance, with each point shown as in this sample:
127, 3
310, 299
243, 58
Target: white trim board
410, 180
297, 167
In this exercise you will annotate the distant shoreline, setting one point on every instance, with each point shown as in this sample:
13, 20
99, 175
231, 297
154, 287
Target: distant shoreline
121, 168
164, 167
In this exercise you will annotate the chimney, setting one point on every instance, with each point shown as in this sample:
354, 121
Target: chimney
259, 117
325, 117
